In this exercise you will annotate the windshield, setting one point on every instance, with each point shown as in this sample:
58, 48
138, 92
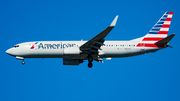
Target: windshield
16, 46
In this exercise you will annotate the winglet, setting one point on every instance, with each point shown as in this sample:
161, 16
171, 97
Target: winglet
114, 22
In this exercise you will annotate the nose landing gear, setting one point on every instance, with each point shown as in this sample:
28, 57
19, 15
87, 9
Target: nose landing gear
20, 58
23, 62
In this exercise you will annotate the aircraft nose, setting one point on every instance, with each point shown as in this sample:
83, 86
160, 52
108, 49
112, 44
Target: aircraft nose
9, 51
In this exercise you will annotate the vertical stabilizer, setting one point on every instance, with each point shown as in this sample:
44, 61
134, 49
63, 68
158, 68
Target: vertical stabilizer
160, 29
158, 32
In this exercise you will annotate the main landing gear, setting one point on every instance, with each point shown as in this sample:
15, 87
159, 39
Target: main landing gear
90, 59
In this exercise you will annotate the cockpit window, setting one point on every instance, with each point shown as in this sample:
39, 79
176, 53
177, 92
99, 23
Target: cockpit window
16, 46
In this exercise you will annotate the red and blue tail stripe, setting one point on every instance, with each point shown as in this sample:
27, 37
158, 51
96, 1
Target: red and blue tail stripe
162, 26
158, 32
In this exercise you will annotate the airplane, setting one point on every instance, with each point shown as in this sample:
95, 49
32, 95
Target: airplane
97, 49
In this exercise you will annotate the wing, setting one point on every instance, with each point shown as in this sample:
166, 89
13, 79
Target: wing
95, 43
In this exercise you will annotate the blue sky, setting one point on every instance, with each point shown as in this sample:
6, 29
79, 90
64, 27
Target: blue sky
153, 76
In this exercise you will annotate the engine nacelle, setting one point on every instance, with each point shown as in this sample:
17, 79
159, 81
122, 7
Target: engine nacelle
72, 61
72, 51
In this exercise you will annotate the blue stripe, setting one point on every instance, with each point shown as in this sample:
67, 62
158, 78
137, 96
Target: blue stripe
153, 32
162, 19
167, 12
155, 29
158, 26
160, 23
165, 15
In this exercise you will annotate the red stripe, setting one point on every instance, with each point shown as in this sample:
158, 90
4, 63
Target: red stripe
165, 26
170, 13
146, 45
139, 45
163, 32
152, 39
149, 45
32, 47
168, 19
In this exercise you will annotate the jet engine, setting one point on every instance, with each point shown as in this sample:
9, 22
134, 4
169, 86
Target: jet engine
72, 61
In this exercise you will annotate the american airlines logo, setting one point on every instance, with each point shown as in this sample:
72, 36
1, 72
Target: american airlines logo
55, 46
32, 47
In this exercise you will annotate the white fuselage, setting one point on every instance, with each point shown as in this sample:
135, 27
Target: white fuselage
56, 49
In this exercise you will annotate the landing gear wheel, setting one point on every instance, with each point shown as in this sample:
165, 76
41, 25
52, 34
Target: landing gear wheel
23, 62
90, 64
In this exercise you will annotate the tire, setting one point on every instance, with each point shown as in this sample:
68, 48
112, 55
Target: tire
23, 62
90, 65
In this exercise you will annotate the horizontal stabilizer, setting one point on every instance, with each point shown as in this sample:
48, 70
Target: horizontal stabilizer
165, 40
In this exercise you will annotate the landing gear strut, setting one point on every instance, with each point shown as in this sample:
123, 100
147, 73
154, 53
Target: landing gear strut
20, 58
90, 59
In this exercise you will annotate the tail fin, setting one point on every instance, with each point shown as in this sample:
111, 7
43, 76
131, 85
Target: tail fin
160, 29
158, 32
